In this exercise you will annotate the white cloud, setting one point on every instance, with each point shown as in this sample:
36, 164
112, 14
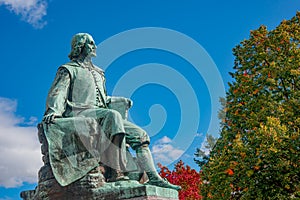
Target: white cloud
204, 149
19, 147
164, 140
31, 11
164, 152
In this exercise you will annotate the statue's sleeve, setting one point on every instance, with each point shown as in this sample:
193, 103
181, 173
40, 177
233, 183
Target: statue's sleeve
58, 93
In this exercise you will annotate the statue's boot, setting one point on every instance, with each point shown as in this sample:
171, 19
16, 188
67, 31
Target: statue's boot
146, 163
116, 160
117, 175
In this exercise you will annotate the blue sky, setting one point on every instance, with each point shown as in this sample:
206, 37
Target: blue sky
170, 57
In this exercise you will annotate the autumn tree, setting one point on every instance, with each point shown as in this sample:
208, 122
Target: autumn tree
257, 154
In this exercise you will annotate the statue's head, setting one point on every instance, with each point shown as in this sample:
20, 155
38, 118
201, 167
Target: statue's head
82, 45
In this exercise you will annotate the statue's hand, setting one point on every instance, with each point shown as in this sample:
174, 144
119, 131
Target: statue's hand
114, 99
50, 118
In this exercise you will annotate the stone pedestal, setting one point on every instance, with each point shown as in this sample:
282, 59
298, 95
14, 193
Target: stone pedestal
130, 190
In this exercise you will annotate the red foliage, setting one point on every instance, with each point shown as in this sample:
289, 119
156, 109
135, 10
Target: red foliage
189, 180
229, 172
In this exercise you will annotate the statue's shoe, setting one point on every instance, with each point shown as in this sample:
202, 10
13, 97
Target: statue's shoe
163, 183
118, 176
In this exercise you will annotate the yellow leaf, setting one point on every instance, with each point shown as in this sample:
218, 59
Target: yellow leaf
250, 173
287, 187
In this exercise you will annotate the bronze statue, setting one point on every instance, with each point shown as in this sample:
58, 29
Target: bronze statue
83, 130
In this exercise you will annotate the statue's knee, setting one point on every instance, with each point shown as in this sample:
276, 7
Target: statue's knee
113, 114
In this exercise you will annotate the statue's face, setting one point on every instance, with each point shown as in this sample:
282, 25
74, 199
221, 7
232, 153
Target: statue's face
90, 47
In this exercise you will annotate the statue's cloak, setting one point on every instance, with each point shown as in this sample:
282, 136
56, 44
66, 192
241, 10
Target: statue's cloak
75, 146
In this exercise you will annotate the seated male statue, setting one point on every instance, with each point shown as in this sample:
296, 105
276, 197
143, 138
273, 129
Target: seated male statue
78, 115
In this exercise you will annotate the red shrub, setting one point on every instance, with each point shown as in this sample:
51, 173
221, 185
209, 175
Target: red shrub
189, 180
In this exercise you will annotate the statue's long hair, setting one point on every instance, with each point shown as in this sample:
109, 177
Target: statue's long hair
77, 45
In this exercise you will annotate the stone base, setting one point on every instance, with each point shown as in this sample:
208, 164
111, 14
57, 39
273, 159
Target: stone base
131, 190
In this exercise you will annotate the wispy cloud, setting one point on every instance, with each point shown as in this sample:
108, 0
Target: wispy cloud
31, 11
164, 152
19, 147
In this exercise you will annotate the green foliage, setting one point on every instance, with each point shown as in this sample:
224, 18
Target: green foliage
257, 154
203, 153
